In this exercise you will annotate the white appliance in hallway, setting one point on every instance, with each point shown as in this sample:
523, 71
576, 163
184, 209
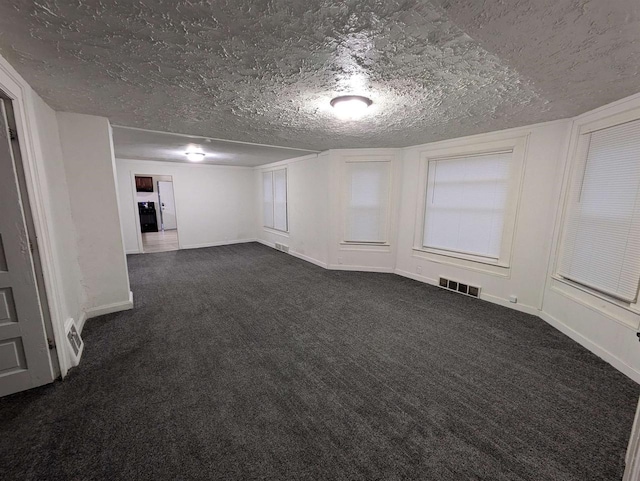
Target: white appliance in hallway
167, 205
24, 350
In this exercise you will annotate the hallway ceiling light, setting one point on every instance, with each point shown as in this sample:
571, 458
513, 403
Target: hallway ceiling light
351, 107
195, 156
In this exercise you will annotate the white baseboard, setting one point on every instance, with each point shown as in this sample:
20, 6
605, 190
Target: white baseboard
109, 308
534, 311
599, 351
308, 259
485, 297
416, 277
266, 243
134, 251
217, 244
294, 254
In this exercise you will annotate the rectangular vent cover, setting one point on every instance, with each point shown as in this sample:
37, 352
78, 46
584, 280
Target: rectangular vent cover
282, 247
460, 287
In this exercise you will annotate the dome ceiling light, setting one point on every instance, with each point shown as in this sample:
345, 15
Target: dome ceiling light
195, 155
351, 107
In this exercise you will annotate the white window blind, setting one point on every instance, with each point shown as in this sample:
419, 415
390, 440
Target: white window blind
601, 238
267, 191
280, 199
275, 199
368, 189
466, 204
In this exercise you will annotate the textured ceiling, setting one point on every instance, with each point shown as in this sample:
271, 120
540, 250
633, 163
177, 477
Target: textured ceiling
145, 145
264, 71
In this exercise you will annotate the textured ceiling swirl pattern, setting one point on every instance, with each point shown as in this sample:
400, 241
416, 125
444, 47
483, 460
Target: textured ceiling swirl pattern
264, 71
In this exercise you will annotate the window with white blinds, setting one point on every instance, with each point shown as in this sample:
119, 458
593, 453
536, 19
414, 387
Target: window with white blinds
275, 199
466, 202
280, 199
601, 233
368, 186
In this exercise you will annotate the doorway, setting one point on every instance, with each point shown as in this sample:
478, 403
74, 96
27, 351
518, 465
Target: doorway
155, 201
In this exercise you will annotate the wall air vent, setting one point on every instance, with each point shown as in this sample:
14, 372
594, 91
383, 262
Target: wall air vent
460, 287
281, 247
75, 345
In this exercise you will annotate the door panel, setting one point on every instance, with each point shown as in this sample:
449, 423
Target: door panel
167, 205
24, 351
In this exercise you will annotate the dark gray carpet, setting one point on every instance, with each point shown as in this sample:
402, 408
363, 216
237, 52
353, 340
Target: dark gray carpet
241, 363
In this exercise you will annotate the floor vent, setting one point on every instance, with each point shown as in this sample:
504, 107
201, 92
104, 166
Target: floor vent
282, 247
74, 342
460, 287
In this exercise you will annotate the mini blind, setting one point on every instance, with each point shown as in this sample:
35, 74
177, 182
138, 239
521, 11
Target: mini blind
368, 188
601, 235
267, 191
280, 199
466, 203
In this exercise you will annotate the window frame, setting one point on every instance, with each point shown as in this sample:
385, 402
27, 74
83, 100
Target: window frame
344, 188
576, 158
272, 171
517, 145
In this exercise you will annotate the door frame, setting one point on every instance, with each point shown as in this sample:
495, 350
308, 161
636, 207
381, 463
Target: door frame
133, 175
33, 164
161, 204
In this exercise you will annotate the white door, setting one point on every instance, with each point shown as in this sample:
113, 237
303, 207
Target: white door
24, 351
167, 205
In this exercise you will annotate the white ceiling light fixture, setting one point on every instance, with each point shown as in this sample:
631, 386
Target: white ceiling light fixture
351, 107
195, 155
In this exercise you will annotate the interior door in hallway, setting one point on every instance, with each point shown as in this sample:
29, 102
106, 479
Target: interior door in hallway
167, 205
24, 350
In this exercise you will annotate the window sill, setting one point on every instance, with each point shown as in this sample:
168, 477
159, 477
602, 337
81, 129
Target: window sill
583, 294
464, 261
282, 233
365, 246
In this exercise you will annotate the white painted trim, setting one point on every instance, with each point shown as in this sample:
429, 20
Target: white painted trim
416, 277
109, 308
304, 257
134, 251
534, 311
217, 244
311, 260
281, 233
194, 164
447, 143
280, 163
347, 267
598, 350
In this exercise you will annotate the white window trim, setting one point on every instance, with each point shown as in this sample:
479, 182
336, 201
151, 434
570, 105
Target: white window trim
382, 246
502, 265
583, 294
273, 230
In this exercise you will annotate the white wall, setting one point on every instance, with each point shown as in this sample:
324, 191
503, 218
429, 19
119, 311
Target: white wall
534, 221
214, 204
87, 150
307, 204
62, 229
